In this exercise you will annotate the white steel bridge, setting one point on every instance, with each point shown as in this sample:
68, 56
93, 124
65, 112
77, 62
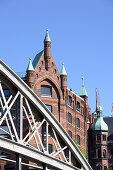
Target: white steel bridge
30, 128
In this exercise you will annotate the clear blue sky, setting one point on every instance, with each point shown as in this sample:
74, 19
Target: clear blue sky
81, 32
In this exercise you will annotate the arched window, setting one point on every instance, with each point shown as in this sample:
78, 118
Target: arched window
70, 133
78, 122
99, 153
104, 153
78, 139
105, 167
69, 118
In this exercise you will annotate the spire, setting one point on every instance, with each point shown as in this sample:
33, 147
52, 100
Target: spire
83, 90
47, 38
63, 70
30, 66
100, 124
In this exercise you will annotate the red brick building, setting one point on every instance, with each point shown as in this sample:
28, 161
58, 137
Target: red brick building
101, 142
50, 85
70, 109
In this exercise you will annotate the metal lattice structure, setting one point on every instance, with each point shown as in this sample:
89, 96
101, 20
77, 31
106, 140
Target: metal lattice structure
32, 129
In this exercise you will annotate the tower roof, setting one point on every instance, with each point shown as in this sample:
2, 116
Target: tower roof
83, 90
63, 70
30, 66
47, 38
100, 124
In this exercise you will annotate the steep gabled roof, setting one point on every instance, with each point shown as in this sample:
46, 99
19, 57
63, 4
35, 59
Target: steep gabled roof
37, 59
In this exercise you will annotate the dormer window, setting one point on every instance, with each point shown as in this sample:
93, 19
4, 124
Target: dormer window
46, 91
69, 101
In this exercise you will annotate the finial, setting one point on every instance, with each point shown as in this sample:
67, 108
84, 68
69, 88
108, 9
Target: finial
47, 38
99, 98
82, 81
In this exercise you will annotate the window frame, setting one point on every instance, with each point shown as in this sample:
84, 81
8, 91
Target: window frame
78, 139
70, 133
98, 138
78, 106
69, 118
104, 137
69, 101
78, 123
43, 93
104, 153
47, 105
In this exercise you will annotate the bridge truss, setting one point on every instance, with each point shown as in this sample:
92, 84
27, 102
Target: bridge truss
33, 133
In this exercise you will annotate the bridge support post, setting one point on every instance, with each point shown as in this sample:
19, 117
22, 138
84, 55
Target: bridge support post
47, 136
18, 162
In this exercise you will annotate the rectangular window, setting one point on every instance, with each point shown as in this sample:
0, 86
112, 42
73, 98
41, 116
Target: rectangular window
69, 118
98, 138
104, 137
70, 133
69, 101
78, 139
78, 106
105, 167
46, 91
78, 122
50, 148
49, 107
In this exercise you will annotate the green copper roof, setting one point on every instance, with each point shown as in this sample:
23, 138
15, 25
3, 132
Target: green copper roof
83, 90
47, 38
37, 59
63, 71
30, 66
99, 124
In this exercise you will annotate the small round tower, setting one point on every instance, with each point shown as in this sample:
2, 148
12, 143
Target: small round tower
30, 74
47, 50
100, 135
63, 76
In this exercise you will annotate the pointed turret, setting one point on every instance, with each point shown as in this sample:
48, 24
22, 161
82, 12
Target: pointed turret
83, 92
47, 38
63, 76
30, 66
100, 123
63, 70
47, 50
30, 74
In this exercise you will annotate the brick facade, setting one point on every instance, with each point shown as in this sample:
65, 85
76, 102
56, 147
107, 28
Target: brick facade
46, 74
